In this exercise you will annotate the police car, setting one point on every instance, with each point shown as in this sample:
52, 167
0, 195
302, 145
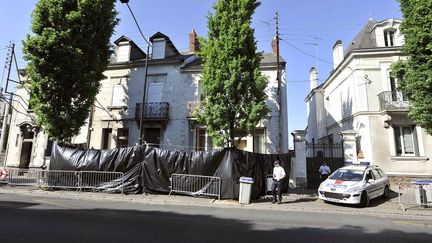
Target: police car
355, 184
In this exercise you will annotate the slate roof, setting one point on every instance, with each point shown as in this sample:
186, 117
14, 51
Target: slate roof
364, 39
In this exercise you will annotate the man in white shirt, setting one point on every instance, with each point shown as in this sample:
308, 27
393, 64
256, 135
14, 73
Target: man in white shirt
324, 171
278, 175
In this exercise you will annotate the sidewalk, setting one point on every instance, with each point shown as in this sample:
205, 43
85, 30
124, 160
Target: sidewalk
294, 201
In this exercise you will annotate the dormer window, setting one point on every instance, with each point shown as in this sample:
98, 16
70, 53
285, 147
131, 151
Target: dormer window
158, 48
389, 35
123, 52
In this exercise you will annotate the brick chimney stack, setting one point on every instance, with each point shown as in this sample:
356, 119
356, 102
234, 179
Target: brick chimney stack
193, 42
275, 46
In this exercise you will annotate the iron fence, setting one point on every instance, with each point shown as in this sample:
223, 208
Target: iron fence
324, 150
196, 185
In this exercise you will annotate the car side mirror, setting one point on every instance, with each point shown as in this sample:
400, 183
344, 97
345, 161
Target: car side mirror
368, 177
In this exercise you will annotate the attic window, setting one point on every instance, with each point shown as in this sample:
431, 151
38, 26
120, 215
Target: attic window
159, 49
389, 37
123, 52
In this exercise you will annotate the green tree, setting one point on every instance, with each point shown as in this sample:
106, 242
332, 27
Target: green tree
415, 73
232, 84
66, 55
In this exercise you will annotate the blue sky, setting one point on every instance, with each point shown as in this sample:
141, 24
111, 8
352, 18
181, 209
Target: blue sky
306, 27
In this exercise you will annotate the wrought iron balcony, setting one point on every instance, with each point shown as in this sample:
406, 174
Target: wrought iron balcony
193, 107
153, 111
393, 101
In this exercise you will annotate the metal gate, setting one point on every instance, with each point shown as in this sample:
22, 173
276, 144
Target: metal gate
316, 154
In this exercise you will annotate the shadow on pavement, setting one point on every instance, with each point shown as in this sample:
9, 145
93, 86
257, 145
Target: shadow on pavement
24, 224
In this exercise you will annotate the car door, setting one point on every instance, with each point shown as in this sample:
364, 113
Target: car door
379, 182
371, 184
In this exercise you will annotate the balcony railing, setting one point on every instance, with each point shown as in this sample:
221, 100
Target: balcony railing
393, 101
153, 111
192, 108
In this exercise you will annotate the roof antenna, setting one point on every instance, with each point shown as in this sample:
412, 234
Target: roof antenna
370, 15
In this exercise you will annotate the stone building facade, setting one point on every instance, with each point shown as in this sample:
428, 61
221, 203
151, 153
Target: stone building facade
172, 93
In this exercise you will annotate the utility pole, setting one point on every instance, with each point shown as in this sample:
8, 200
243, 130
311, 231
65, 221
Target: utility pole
277, 52
141, 130
278, 78
4, 135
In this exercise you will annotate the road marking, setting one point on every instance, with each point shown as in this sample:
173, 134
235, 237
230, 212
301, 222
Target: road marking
425, 225
56, 204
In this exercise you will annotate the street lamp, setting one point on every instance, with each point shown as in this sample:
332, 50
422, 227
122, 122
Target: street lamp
141, 129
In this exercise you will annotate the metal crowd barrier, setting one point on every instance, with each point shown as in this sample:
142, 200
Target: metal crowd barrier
414, 195
18, 176
96, 180
196, 185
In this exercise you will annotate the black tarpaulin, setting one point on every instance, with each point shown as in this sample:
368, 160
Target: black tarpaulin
147, 168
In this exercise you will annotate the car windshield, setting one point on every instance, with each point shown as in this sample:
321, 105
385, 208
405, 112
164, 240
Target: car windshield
347, 175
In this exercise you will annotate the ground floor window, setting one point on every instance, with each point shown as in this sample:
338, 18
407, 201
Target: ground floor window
106, 138
49, 147
203, 140
259, 144
406, 141
122, 137
152, 136
242, 144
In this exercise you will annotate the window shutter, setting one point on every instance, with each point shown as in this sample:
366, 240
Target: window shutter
158, 49
416, 148
123, 52
118, 97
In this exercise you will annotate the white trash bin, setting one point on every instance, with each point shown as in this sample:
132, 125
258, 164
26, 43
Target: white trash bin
245, 190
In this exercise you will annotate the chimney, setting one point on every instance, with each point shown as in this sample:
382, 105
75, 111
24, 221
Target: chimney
337, 53
313, 77
193, 42
275, 46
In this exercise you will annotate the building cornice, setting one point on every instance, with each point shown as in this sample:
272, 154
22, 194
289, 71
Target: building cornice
367, 52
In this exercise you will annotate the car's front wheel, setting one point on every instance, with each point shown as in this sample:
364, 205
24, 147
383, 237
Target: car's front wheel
386, 193
364, 200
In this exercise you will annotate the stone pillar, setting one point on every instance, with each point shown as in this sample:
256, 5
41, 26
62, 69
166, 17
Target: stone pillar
299, 166
349, 145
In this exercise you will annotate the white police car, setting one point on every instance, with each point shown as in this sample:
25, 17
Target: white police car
355, 184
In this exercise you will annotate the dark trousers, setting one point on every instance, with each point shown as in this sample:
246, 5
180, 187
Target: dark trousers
324, 177
277, 186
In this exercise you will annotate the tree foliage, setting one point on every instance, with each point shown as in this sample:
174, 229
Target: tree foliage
232, 84
415, 73
66, 55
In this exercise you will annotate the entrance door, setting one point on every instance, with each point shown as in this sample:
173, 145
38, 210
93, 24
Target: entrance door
26, 146
26, 152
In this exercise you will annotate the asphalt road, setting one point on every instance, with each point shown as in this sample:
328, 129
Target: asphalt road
38, 219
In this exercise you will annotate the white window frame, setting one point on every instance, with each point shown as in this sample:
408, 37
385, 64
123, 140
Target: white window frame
389, 37
208, 143
402, 142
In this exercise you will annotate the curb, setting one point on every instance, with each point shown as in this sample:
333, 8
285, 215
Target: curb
213, 203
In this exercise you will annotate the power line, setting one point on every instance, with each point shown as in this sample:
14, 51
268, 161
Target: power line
307, 54
136, 23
